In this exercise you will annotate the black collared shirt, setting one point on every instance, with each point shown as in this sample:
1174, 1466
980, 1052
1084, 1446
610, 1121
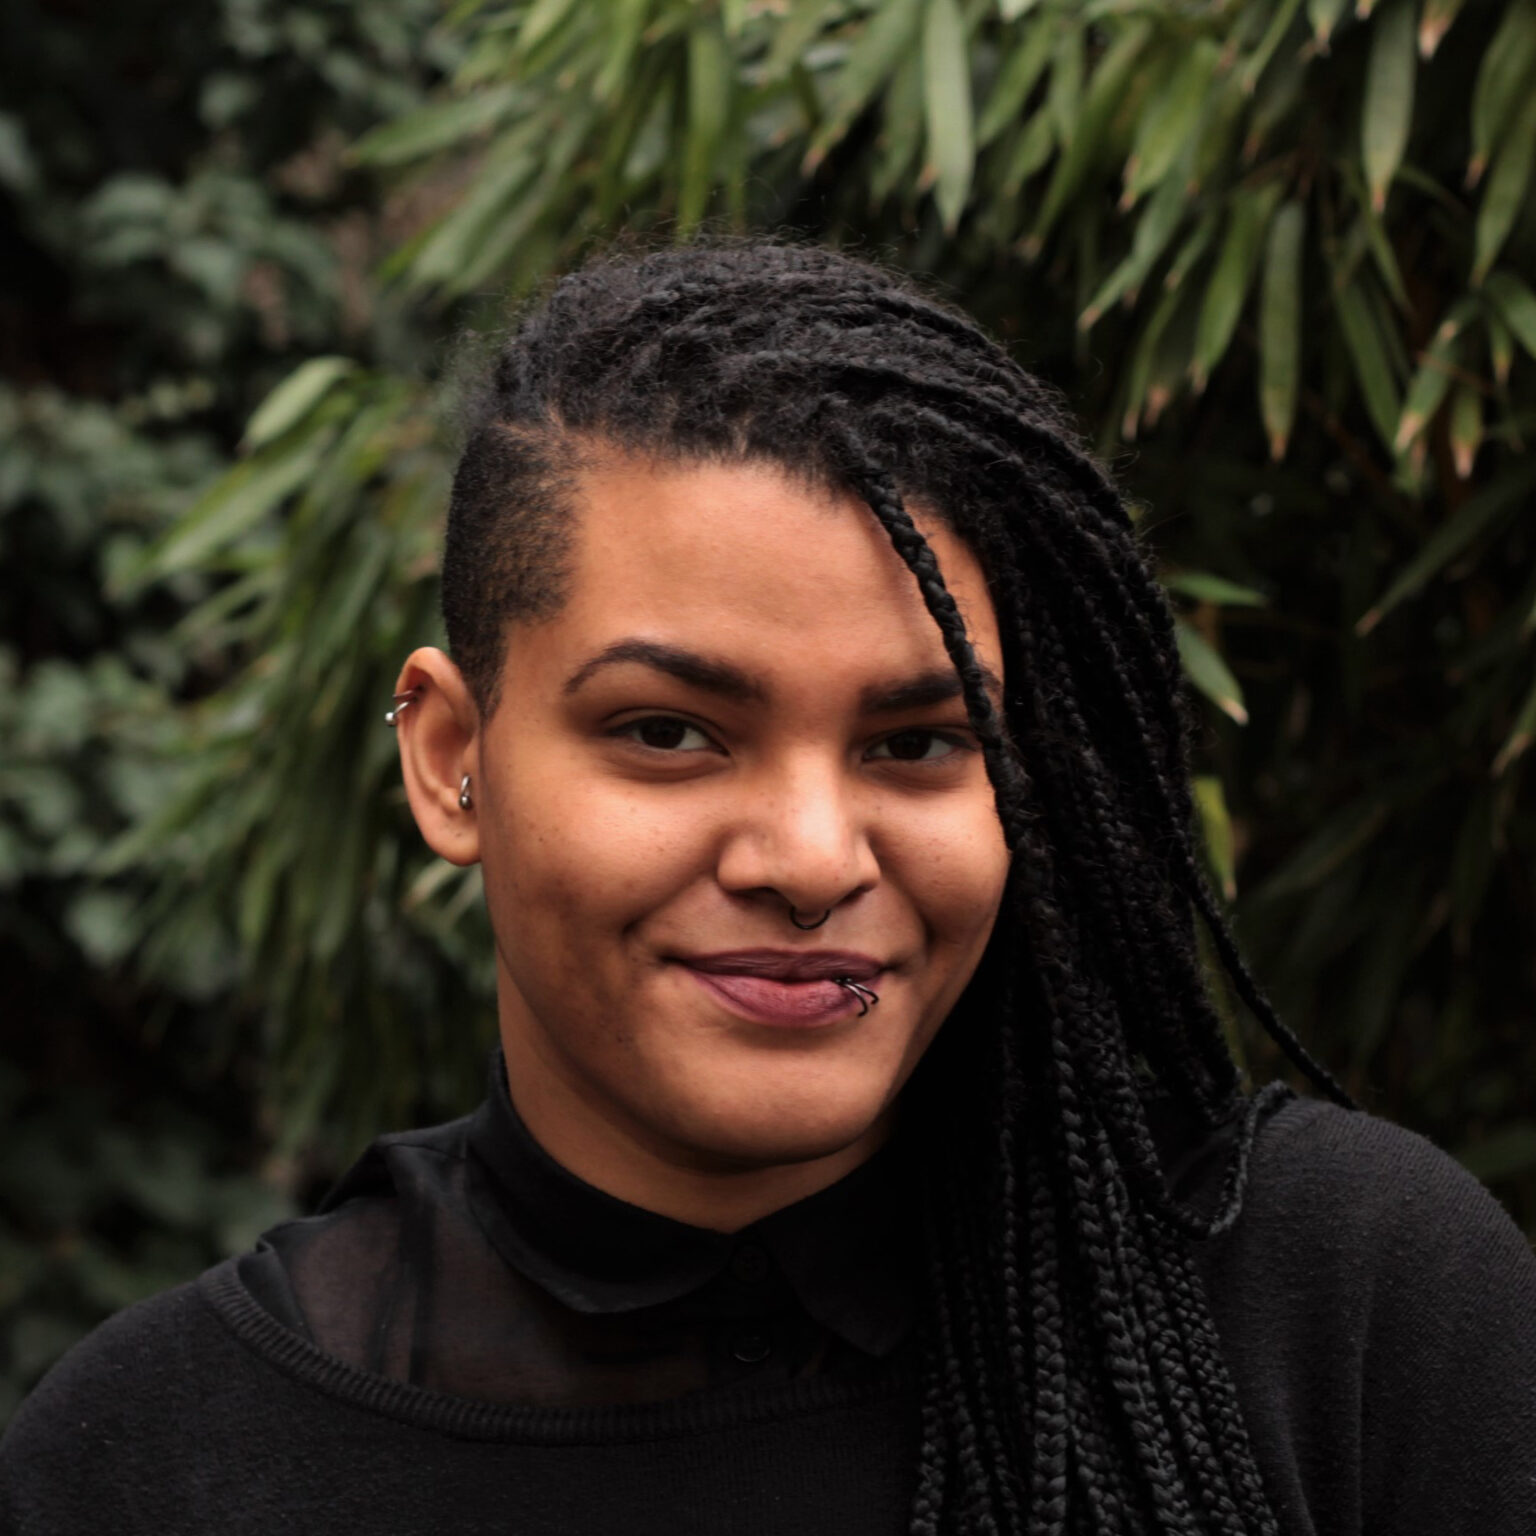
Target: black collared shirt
464, 1258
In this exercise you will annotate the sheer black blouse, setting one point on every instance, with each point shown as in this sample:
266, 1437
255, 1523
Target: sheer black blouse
464, 1258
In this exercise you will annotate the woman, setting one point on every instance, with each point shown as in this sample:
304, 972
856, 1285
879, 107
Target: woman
862, 1153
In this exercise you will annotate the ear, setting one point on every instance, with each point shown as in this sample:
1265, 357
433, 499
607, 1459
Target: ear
439, 743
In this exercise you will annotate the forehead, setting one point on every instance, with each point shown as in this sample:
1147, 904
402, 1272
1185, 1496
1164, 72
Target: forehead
743, 559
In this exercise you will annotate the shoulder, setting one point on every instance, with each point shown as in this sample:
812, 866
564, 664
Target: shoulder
1377, 1307
1346, 1190
120, 1402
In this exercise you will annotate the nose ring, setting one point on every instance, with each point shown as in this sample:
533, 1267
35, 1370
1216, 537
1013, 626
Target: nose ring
867, 996
806, 927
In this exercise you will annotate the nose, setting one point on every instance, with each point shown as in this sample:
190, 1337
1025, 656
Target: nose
800, 839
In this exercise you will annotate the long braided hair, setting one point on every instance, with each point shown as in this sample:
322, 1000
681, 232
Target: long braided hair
1073, 1380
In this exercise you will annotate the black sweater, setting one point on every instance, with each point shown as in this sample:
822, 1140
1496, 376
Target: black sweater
1377, 1308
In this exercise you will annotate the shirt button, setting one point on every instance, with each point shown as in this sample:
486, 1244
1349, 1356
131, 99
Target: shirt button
751, 1348
750, 1264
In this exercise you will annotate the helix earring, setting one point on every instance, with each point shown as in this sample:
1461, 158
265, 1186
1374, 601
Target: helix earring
806, 927
466, 800
399, 703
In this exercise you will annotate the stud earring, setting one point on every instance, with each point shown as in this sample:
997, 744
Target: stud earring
466, 800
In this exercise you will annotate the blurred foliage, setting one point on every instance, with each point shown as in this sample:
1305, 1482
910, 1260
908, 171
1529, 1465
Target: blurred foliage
1278, 253
179, 228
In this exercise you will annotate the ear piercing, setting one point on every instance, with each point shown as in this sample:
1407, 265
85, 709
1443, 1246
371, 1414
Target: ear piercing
466, 800
400, 702
867, 996
806, 927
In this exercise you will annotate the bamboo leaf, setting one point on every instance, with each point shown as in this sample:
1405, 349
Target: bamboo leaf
1068, 67
438, 126
1204, 668
794, 34
235, 503
901, 132
947, 102
1231, 279
1082, 141
541, 22
1154, 229
1521, 734
1387, 112
1258, 61
1280, 326
1476, 515
1207, 588
625, 24
1169, 119
456, 239
1434, 22
294, 398
1466, 429
1501, 348
1508, 183
1503, 79
1216, 831
1324, 16
871, 61
1017, 78
1032, 150
1433, 378
1139, 374
1373, 366
1516, 305
709, 105
1199, 242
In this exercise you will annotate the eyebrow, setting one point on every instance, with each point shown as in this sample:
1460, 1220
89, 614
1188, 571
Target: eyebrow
729, 681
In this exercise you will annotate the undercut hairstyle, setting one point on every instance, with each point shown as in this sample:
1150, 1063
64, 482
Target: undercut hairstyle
1072, 1376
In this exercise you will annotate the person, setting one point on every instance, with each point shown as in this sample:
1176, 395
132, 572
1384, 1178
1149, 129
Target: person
861, 1153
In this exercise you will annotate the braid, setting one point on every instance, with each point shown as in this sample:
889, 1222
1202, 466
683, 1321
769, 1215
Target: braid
1073, 1380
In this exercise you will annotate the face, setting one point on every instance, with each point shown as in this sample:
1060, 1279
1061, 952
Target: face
742, 711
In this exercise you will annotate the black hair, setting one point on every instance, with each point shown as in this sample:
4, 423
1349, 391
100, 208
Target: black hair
1073, 1378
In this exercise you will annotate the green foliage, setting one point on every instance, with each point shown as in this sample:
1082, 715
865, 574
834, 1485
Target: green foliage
1273, 225
180, 230
1281, 248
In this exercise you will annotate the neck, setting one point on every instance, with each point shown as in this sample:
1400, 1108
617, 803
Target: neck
609, 1151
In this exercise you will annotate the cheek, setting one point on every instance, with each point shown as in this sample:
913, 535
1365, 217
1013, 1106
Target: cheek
955, 876
577, 863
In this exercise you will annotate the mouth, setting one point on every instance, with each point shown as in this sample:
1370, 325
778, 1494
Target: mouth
789, 989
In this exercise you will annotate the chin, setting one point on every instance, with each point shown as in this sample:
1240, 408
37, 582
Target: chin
779, 1129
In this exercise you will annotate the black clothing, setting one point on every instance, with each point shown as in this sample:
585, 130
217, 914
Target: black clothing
1377, 1307
466, 1259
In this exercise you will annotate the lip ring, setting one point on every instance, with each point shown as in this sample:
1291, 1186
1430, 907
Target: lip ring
867, 996
780, 1009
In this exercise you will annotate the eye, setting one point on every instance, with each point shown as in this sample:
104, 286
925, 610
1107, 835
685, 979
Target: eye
665, 733
920, 746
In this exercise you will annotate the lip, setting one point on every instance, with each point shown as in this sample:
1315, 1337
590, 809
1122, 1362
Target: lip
783, 988
787, 964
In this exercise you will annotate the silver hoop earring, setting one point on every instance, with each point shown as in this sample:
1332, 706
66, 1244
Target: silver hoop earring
399, 703
466, 800
806, 927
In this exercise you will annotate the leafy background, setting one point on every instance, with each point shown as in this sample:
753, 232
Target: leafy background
1278, 254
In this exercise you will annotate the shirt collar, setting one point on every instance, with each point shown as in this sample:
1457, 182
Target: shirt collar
847, 1252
